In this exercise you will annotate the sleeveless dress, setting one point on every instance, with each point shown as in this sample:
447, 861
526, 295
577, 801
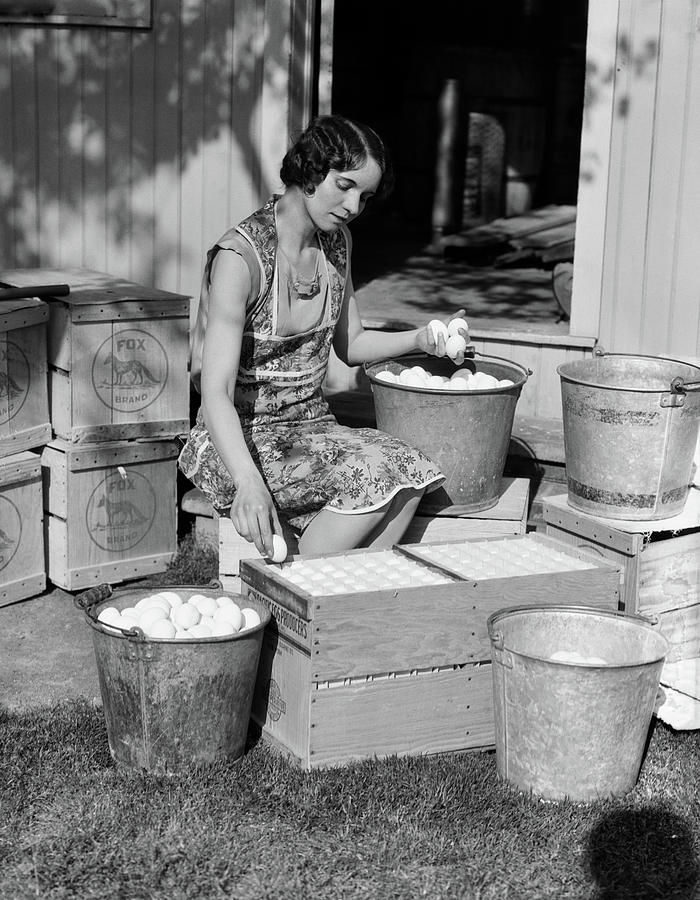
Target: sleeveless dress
308, 460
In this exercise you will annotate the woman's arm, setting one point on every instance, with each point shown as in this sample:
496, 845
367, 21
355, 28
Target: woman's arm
355, 345
253, 512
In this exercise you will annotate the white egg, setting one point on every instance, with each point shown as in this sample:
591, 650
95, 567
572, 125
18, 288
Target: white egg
173, 598
207, 621
181, 634
161, 628
130, 611
455, 344
186, 616
110, 615
454, 326
437, 382
222, 629
437, 327
128, 622
505, 382
152, 600
199, 631
250, 618
386, 375
207, 606
279, 548
196, 599
150, 615
462, 373
413, 379
230, 614
459, 384
224, 600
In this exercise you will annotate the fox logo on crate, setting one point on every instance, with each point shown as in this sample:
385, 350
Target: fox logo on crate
129, 370
120, 511
14, 381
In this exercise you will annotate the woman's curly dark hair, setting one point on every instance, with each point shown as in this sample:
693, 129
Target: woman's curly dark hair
334, 142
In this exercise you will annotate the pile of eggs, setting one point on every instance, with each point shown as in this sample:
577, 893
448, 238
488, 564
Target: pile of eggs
460, 380
167, 616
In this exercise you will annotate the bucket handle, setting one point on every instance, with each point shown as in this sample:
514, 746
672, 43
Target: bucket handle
527, 372
681, 387
88, 600
677, 387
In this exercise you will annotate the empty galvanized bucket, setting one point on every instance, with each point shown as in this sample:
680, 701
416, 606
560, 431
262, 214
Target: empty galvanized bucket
573, 726
630, 432
466, 433
173, 704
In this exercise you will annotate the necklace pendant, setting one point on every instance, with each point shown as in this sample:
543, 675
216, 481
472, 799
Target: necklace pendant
307, 289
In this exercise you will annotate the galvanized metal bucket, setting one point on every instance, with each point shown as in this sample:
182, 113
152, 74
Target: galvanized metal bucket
170, 705
466, 433
630, 432
568, 729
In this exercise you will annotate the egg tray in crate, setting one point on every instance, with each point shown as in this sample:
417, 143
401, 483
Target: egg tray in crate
370, 653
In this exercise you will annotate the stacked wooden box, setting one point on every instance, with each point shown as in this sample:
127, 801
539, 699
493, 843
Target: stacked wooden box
509, 516
660, 566
24, 426
118, 400
375, 653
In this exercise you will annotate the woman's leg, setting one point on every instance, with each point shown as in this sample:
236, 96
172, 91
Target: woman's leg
393, 527
332, 532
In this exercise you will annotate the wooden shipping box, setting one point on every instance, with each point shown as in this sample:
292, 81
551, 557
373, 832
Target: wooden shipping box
509, 516
117, 355
22, 572
375, 653
111, 510
660, 565
24, 399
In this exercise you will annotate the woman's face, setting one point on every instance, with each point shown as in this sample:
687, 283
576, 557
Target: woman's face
342, 196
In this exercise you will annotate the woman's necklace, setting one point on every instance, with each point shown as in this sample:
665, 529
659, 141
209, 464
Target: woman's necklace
304, 288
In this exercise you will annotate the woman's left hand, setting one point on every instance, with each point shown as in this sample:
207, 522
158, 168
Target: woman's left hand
433, 337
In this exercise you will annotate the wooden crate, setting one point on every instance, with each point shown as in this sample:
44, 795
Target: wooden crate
24, 401
117, 355
660, 566
509, 516
375, 653
22, 572
111, 510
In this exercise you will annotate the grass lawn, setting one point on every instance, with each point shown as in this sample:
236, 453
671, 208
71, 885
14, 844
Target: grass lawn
72, 825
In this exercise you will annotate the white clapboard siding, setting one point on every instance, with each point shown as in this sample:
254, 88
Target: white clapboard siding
130, 151
637, 267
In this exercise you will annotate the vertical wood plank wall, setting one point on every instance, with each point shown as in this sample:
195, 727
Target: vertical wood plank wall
637, 264
131, 151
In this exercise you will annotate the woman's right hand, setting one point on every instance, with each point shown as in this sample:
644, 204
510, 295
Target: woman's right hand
254, 515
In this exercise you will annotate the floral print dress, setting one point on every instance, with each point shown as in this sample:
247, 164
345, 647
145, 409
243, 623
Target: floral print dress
309, 461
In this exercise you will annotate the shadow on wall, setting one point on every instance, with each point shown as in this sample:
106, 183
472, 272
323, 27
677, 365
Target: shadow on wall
645, 854
101, 127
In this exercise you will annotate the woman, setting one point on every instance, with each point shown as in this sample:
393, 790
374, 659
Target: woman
277, 292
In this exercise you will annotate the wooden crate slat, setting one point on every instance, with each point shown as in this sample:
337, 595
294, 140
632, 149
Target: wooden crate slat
22, 563
433, 712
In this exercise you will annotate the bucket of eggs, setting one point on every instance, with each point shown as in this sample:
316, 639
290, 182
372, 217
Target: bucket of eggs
460, 417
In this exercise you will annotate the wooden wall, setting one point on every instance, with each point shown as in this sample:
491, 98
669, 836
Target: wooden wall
637, 265
131, 151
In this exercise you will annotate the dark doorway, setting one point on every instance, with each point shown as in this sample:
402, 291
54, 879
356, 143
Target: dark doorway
516, 69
